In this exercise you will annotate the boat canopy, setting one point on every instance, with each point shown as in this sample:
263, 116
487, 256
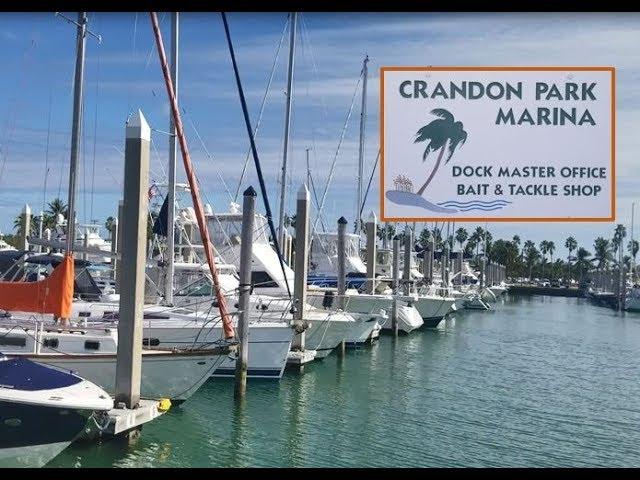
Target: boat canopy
51, 295
24, 374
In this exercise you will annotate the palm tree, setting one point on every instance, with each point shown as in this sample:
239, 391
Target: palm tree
461, 236
528, 245
531, 255
544, 249
55, 207
436, 234
476, 238
443, 134
583, 264
424, 238
551, 247
602, 254
570, 244
618, 235
109, 225
17, 224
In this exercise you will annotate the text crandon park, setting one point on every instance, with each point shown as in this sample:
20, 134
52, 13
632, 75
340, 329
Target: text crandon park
497, 143
470, 90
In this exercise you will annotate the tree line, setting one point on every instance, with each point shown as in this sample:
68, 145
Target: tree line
526, 259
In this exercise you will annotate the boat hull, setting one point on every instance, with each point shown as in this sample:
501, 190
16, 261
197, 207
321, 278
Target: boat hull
433, 309
323, 335
409, 319
32, 435
268, 347
187, 371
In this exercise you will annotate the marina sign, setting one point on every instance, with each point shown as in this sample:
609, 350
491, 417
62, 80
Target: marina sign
497, 143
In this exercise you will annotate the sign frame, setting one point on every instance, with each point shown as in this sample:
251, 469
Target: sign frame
611, 70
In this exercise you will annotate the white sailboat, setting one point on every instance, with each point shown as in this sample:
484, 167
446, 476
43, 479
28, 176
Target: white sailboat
91, 353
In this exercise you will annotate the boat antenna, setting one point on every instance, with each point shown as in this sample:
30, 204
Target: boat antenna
254, 151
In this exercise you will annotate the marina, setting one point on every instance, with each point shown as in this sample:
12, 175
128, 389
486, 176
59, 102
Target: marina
536, 383
160, 320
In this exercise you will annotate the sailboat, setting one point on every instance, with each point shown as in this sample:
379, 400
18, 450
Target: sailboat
54, 339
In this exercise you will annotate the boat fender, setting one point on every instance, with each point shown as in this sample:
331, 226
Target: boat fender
164, 404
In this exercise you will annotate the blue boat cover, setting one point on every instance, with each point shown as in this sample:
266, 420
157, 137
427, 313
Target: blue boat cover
23, 374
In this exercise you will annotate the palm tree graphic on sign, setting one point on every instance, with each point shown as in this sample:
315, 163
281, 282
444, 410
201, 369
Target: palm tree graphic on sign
443, 134
443, 137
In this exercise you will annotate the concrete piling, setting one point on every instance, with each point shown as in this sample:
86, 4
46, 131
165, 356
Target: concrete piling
25, 228
118, 261
134, 234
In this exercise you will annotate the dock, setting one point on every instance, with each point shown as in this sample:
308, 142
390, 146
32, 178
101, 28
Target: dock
122, 420
298, 358
551, 291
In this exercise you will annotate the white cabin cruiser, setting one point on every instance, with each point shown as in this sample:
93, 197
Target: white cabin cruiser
270, 283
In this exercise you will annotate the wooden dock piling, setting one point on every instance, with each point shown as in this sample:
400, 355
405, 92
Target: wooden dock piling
246, 254
395, 283
301, 265
371, 227
406, 269
342, 287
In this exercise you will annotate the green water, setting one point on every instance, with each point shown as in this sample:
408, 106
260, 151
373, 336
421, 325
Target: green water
538, 382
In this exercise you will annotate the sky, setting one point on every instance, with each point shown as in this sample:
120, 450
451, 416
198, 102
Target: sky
122, 74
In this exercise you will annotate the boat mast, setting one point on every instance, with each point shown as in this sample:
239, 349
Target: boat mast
287, 123
363, 113
173, 152
633, 262
227, 324
78, 86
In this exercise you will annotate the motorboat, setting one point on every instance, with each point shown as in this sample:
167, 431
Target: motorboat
43, 410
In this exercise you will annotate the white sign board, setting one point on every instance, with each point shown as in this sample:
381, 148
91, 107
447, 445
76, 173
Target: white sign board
497, 143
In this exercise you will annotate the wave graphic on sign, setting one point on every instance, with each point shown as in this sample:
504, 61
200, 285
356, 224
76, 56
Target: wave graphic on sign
475, 205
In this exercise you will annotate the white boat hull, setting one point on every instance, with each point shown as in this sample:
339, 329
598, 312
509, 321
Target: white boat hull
269, 341
323, 335
268, 346
409, 319
166, 375
433, 308
358, 304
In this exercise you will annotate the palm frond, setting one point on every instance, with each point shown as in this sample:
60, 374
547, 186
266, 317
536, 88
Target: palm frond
442, 113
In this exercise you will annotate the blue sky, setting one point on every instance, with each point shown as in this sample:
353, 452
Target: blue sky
123, 74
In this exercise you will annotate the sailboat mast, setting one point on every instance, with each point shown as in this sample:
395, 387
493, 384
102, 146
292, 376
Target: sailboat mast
78, 87
363, 114
287, 124
173, 152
